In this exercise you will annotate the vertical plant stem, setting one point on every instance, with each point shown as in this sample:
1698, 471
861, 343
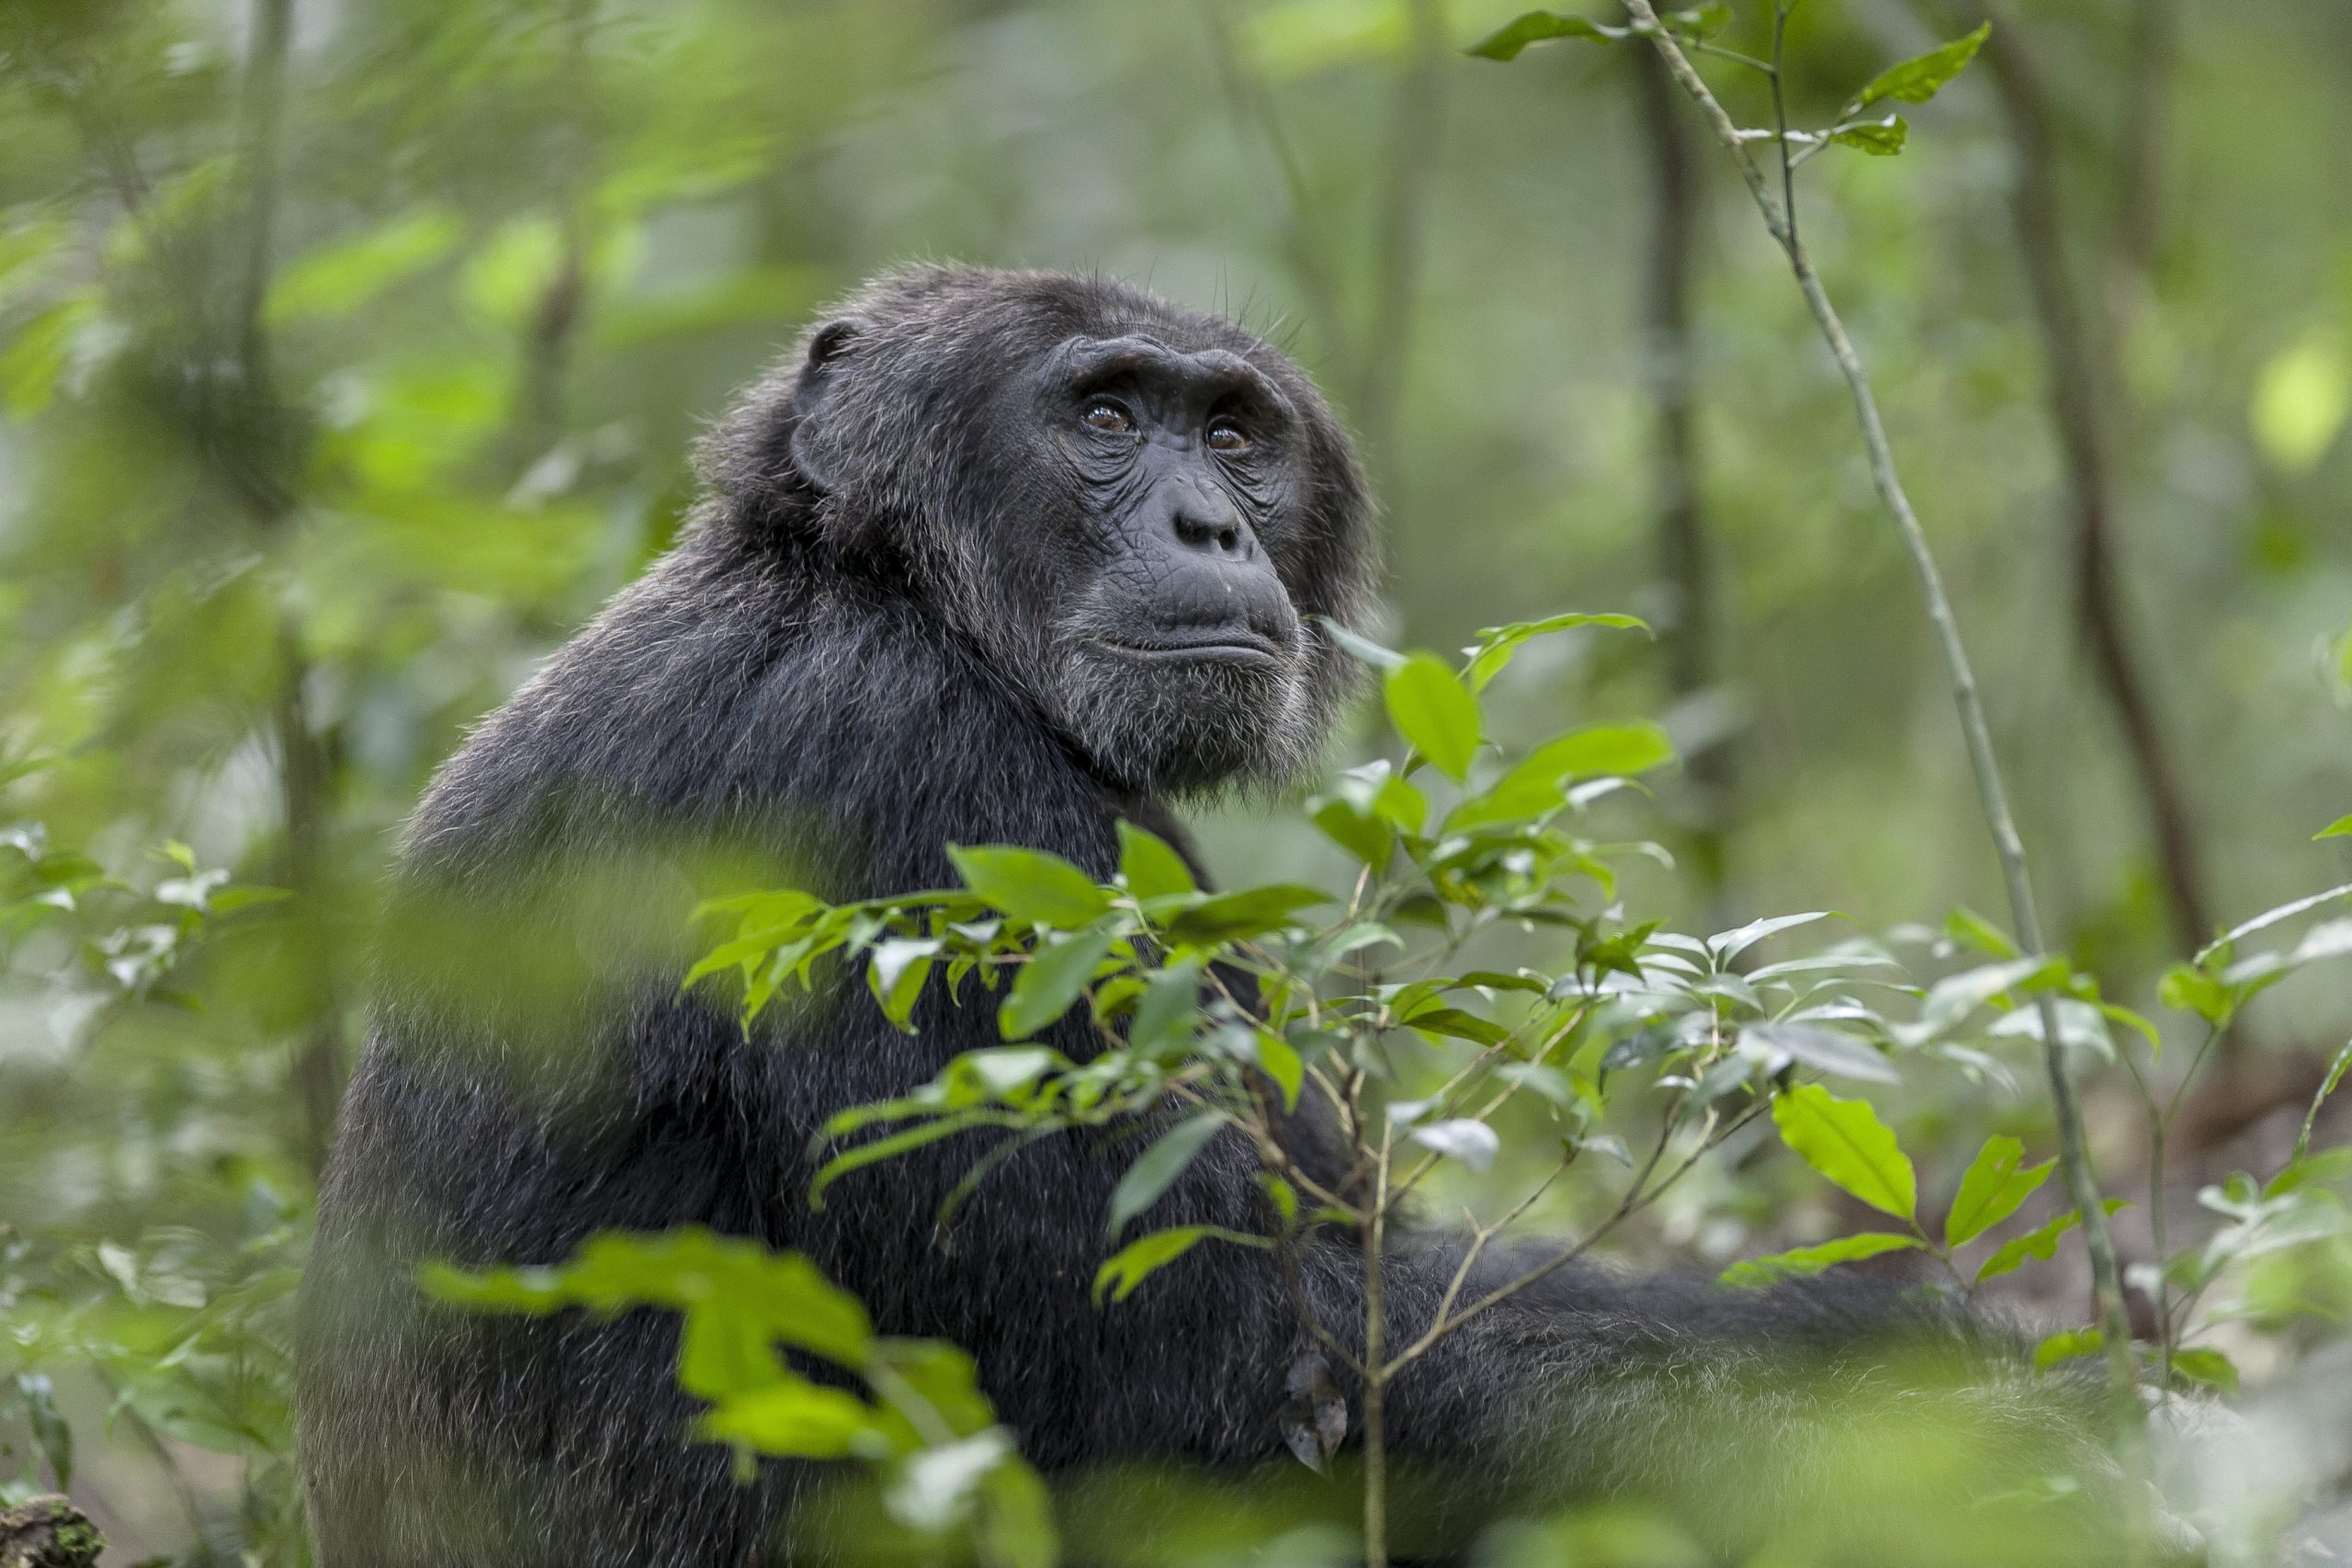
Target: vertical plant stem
2074, 1152
1376, 1369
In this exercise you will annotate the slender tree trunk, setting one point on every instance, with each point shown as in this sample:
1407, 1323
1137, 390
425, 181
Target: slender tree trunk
2084, 413
539, 415
1414, 130
1682, 546
305, 756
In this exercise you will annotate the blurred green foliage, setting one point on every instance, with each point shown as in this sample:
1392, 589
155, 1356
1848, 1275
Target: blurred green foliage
350, 353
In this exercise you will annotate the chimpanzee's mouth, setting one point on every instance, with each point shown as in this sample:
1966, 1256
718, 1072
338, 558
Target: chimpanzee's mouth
1219, 645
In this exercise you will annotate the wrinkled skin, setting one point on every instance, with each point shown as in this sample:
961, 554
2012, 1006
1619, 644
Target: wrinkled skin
996, 557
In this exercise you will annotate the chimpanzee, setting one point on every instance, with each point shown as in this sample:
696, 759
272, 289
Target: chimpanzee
995, 558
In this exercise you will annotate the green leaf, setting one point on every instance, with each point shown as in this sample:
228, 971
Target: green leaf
1150, 865
1602, 749
2066, 1345
1831, 1050
1916, 80
1435, 713
739, 1298
1251, 911
1497, 645
1879, 137
791, 1419
2339, 829
1534, 786
2186, 988
1459, 1024
1131, 1264
1845, 1141
1805, 1261
1279, 1060
1165, 1015
2039, 1244
1991, 1189
895, 973
1050, 982
1356, 830
1162, 1163
1540, 26
2207, 1366
1965, 926
1016, 1529
1358, 646
1030, 885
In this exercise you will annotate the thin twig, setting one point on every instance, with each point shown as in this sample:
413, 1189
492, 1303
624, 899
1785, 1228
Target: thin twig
2074, 1151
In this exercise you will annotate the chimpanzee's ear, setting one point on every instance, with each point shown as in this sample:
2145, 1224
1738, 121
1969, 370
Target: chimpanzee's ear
821, 449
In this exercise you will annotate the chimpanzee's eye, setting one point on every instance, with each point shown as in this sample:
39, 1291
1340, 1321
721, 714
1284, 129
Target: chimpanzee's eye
1227, 435
1110, 417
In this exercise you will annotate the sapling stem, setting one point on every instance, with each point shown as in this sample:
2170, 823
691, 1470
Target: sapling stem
2074, 1154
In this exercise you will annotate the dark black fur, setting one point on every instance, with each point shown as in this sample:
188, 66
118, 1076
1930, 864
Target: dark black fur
873, 642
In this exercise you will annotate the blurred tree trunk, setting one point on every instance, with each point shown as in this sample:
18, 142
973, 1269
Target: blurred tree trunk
2087, 408
1682, 546
263, 461
539, 413
1414, 128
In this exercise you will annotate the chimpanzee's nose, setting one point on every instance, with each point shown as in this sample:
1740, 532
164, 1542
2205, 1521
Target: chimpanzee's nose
1206, 520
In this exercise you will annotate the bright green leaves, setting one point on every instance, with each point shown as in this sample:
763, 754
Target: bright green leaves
1435, 713
2066, 1345
2339, 829
739, 1301
1879, 137
1149, 866
946, 1465
2039, 1244
1991, 1189
1534, 786
1053, 978
1496, 645
1507, 41
1921, 77
1030, 885
1136, 1262
1846, 1141
1805, 1261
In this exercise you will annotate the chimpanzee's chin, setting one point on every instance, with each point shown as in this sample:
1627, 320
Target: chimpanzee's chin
1190, 727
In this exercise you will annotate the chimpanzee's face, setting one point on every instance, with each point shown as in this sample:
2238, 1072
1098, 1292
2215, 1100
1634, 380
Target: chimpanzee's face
1136, 510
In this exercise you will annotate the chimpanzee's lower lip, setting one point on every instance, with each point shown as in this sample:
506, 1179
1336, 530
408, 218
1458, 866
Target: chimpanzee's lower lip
1205, 652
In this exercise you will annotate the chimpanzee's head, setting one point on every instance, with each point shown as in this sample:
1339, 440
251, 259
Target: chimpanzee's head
1136, 510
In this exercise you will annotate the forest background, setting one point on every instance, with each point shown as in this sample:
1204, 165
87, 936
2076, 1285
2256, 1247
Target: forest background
350, 353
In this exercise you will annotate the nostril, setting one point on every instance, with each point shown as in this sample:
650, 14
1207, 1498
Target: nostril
1229, 539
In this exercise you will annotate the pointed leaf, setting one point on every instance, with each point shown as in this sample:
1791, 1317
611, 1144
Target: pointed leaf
1162, 1163
1991, 1189
1507, 41
1030, 885
1805, 1261
1150, 865
1050, 982
1918, 79
1435, 713
1845, 1141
